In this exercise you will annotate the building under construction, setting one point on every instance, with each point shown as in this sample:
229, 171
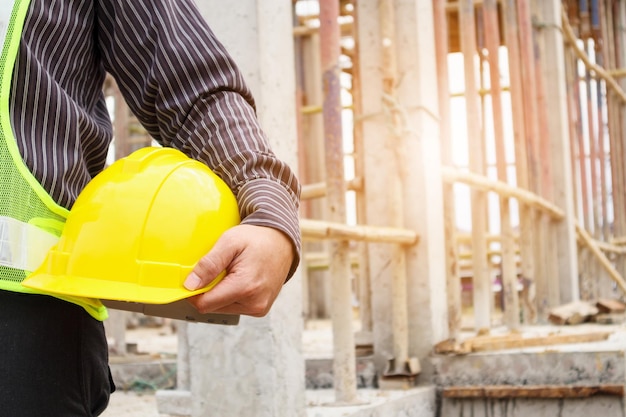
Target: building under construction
463, 209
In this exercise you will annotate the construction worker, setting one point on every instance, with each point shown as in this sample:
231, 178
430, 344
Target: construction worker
54, 136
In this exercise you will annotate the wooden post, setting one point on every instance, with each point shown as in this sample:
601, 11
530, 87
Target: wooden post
594, 221
481, 273
619, 188
575, 131
316, 282
593, 156
519, 131
453, 278
598, 24
365, 287
602, 154
509, 267
546, 229
614, 127
344, 361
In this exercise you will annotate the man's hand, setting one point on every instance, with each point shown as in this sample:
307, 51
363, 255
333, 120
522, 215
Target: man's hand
256, 260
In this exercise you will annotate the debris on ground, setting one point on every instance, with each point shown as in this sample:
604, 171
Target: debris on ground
515, 340
603, 311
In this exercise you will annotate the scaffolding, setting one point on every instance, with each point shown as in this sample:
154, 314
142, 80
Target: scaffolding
477, 181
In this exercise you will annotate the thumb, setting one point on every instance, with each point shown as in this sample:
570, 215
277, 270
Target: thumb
210, 266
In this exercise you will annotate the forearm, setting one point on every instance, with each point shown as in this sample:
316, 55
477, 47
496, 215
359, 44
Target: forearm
223, 132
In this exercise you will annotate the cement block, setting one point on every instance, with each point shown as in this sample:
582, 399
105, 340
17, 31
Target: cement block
532, 368
143, 372
319, 373
416, 402
174, 402
584, 407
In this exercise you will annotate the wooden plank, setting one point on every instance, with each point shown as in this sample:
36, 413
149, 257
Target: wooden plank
575, 312
533, 391
517, 341
606, 305
320, 189
604, 261
485, 343
610, 318
319, 229
525, 197
321, 260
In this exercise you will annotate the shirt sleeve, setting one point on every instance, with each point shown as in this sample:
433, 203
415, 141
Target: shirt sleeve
185, 89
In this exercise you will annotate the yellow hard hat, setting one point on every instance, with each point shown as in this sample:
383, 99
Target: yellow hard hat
137, 230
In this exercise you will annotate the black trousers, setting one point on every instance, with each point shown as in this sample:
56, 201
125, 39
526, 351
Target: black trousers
53, 359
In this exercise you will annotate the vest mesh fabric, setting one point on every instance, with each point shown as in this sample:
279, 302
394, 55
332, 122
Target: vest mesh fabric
18, 199
21, 196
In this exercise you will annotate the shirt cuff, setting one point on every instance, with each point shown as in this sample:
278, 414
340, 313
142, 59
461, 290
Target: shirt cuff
264, 202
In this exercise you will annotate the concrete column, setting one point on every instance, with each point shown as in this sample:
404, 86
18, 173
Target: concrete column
255, 368
418, 156
551, 40
115, 326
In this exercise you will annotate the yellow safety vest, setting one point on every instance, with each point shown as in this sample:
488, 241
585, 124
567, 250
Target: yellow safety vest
30, 220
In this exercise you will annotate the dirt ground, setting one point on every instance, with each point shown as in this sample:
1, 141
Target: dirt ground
131, 404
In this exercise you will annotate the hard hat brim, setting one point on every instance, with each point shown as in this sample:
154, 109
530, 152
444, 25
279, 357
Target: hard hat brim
107, 290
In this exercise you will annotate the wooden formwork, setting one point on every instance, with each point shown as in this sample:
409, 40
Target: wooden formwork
570, 159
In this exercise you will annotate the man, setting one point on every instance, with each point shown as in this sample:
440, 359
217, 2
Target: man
54, 136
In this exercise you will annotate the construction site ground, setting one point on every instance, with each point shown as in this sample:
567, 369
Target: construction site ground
162, 341
139, 400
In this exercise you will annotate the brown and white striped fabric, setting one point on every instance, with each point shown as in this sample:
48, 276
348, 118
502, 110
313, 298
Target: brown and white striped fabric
176, 77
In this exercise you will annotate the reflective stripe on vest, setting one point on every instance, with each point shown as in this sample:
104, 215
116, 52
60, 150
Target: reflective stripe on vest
22, 245
30, 220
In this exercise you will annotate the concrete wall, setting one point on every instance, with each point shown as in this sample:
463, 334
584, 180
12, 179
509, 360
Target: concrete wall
584, 407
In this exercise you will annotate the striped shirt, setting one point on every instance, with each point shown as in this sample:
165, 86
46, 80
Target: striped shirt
176, 78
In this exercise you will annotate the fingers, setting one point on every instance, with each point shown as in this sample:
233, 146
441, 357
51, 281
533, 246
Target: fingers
234, 295
256, 260
211, 265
